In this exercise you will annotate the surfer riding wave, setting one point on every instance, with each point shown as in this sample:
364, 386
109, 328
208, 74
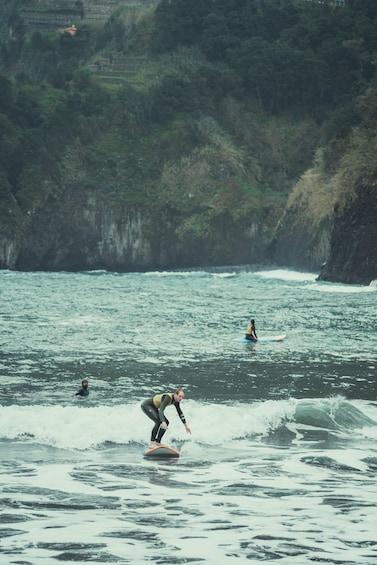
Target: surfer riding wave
154, 408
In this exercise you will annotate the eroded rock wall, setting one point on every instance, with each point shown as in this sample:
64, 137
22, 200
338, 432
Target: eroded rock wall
301, 246
353, 245
84, 232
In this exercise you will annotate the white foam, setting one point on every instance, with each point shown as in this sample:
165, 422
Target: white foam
341, 288
81, 426
287, 275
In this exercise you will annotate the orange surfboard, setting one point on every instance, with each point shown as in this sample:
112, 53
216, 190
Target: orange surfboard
161, 452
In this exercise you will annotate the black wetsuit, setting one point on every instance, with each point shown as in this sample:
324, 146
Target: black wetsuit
82, 392
154, 409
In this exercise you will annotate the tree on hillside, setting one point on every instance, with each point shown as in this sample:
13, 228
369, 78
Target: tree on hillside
179, 23
288, 53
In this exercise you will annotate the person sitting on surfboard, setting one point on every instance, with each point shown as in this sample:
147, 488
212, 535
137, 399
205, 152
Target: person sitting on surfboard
251, 332
154, 408
84, 390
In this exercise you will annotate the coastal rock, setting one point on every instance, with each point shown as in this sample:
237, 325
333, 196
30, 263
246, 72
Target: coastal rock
300, 245
9, 250
353, 250
81, 231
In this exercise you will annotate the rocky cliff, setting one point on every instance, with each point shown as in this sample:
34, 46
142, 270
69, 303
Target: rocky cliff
81, 231
352, 254
217, 202
299, 245
344, 241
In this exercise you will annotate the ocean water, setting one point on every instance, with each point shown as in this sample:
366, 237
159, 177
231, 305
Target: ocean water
281, 465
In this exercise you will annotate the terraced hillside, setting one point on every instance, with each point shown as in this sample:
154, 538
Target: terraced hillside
48, 15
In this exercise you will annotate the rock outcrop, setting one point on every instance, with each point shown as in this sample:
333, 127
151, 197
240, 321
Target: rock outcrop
299, 245
81, 231
353, 245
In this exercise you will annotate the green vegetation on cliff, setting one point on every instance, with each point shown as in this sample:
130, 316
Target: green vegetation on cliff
205, 108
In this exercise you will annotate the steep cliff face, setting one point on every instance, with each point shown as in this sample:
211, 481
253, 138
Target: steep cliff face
9, 250
302, 235
301, 246
353, 245
342, 247
83, 232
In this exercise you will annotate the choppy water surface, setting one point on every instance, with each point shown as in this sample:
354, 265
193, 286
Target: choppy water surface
281, 465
